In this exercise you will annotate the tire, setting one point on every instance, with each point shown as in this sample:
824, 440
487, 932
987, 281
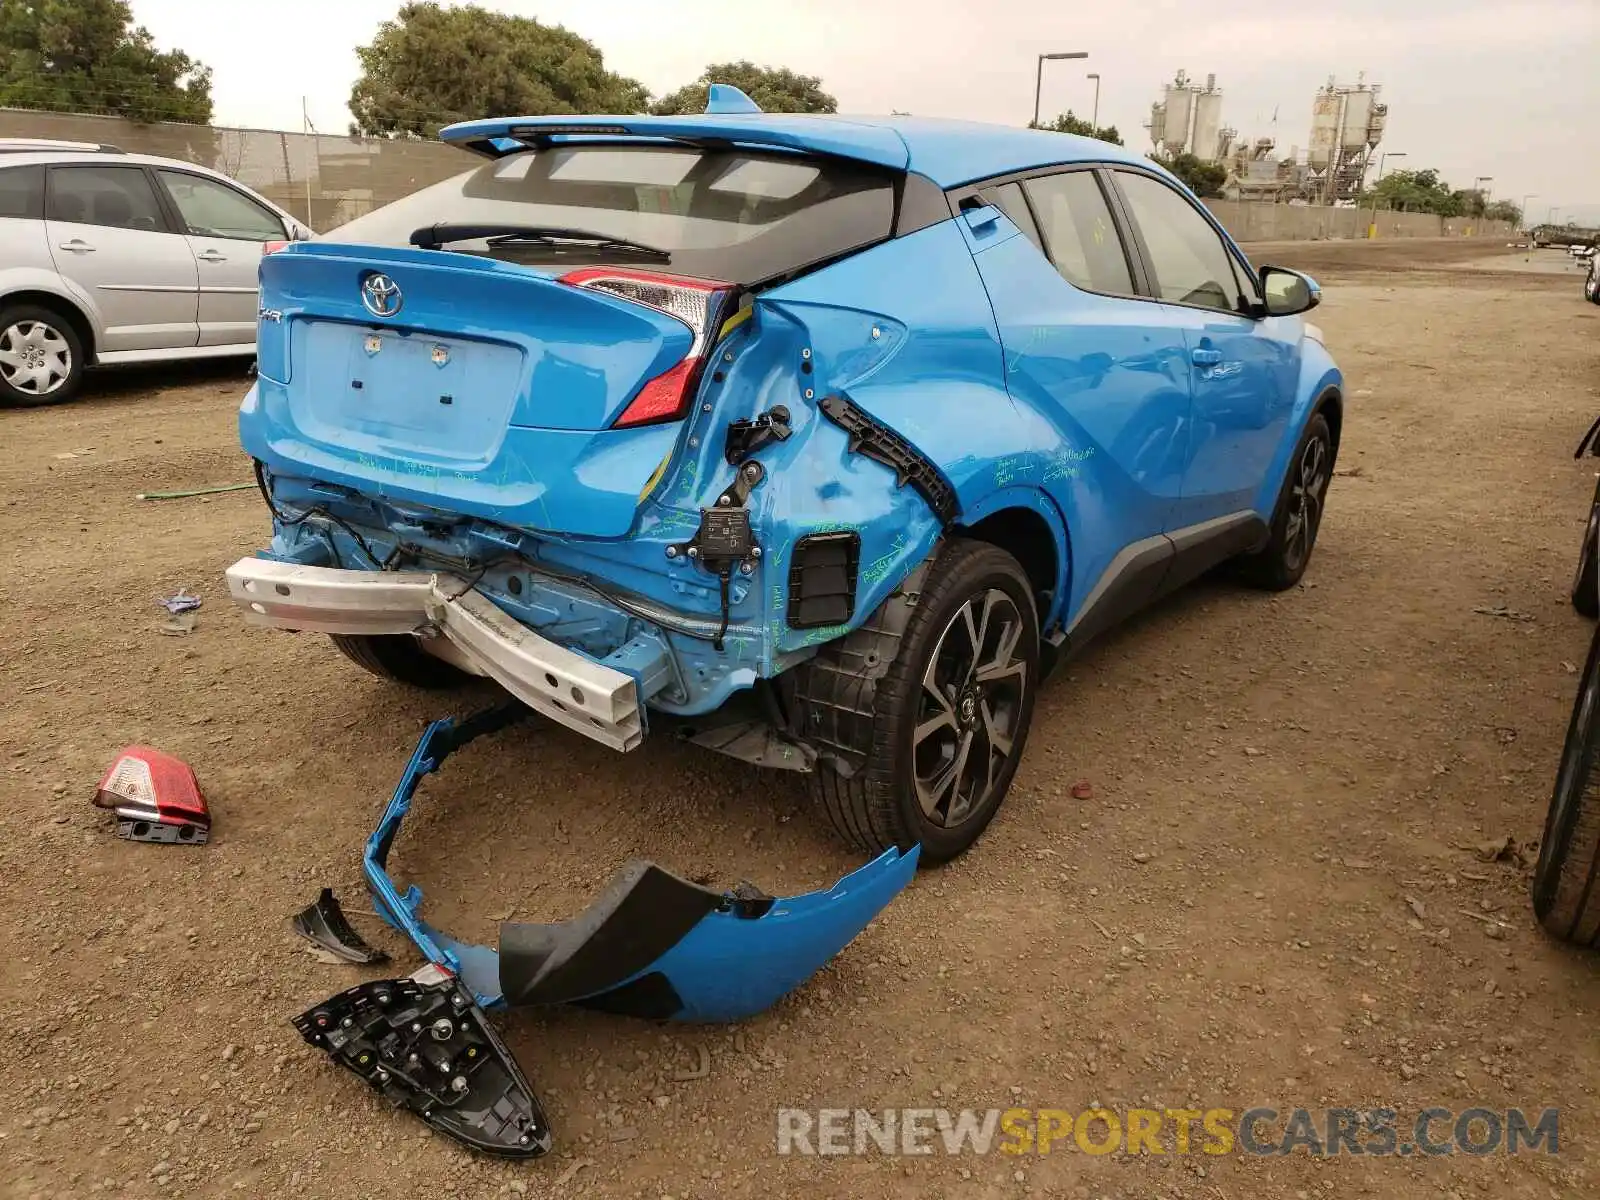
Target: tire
899, 789
1591, 283
1586, 580
400, 658
1566, 890
41, 356
1297, 517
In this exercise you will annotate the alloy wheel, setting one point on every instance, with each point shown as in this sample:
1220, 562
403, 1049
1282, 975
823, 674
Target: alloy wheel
1305, 502
35, 359
970, 705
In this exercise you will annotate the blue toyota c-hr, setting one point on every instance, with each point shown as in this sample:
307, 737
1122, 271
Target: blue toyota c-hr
817, 439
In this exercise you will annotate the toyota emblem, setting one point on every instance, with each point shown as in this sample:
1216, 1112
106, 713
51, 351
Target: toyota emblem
381, 295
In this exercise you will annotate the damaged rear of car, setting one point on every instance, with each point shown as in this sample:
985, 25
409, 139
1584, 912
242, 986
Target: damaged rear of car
586, 420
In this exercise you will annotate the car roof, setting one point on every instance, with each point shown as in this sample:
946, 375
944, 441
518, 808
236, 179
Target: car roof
948, 152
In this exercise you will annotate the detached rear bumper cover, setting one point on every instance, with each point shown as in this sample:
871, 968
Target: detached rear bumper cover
653, 945
593, 699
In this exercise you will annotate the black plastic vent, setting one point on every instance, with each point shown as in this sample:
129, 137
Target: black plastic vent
822, 579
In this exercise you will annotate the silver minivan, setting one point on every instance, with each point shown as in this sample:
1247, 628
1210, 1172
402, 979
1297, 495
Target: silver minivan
109, 258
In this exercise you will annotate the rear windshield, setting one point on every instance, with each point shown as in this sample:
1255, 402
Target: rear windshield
732, 215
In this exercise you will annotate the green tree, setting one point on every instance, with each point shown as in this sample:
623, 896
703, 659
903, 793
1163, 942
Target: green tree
1504, 210
431, 66
1067, 123
1202, 178
774, 89
1417, 191
87, 56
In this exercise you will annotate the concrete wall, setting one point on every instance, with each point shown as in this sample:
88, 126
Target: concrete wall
1255, 222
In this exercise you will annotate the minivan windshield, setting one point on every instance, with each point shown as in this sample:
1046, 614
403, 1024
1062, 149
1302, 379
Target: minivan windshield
729, 214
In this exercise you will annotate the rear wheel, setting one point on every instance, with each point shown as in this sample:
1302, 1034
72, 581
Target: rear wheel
1591, 285
41, 356
399, 657
925, 752
1566, 891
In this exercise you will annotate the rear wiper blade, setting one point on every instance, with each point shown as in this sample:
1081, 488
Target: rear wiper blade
432, 237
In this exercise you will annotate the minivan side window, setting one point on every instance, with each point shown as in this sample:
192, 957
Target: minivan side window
1191, 264
22, 193
212, 209
1079, 234
119, 197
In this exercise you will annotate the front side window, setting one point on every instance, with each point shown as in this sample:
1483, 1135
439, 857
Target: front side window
734, 215
1079, 234
117, 197
212, 209
1191, 264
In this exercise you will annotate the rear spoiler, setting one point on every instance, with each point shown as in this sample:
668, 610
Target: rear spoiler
837, 137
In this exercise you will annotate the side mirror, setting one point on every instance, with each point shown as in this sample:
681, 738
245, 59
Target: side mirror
1287, 292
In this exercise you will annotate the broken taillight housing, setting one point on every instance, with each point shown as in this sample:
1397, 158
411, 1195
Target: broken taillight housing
155, 796
695, 302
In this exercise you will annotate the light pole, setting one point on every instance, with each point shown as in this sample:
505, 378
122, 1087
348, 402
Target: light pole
1372, 226
1038, 79
1094, 119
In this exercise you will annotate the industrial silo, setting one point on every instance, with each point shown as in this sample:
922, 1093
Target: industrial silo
1324, 129
1357, 120
1207, 123
1176, 134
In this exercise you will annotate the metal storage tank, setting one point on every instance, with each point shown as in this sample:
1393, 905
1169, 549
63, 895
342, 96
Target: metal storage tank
1207, 123
1380, 114
1176, 136
1357, 115
1158, 123
1324, 129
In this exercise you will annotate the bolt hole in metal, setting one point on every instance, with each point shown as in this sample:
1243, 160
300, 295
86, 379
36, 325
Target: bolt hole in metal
514, 585
969, 704
281, 588
577, 696
257, 606
552, 680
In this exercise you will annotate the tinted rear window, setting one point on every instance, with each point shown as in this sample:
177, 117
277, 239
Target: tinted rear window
22, 192
721, 214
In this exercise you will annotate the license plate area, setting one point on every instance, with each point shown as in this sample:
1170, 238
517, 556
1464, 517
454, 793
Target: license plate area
407, 394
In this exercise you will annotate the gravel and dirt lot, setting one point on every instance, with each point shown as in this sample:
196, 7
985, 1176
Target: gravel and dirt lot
1273, 897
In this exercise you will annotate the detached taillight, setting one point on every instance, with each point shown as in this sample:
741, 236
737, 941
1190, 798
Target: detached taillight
695, 302
274, 247
155, 796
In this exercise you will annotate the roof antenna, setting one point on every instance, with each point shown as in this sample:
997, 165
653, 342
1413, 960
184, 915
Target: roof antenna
724, 98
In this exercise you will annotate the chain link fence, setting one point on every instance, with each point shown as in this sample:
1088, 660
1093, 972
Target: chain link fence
323, 179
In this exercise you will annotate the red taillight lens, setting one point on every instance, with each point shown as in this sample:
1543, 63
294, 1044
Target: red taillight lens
273, 247
695, 302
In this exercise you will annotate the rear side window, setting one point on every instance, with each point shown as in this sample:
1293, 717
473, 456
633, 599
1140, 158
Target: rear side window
1008, 199
731, 215
119, 197
1079, 234
22, 192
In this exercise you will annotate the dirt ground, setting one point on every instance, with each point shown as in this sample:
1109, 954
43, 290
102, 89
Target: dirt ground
1271, 899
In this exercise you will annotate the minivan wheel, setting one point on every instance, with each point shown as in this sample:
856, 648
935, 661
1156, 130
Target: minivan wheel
399, 657
947, 721
41, 356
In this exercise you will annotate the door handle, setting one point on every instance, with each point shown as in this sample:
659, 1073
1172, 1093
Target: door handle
78, 246
1205, 358
211, 256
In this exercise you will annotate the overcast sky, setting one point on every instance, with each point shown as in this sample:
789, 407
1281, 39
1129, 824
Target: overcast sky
1475, 87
